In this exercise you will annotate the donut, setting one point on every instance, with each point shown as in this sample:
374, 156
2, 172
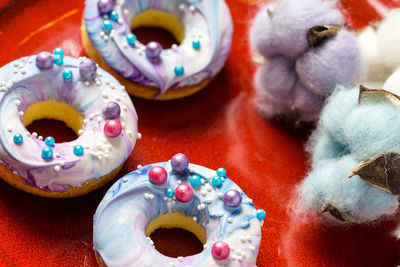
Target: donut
89, 100
203, 29
176, 194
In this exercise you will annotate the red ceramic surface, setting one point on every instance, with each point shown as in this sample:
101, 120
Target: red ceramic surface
216, 127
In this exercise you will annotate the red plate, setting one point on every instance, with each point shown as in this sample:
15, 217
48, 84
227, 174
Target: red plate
216, 127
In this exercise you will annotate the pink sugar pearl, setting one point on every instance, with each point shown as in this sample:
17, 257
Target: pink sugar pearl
158, 175
220, 250
112, 128
184, 193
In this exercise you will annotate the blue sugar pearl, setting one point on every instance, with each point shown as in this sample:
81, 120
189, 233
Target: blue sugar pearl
47, 153
58, 59
221, 172
107, 25
59, 51
195, 180
67, 74
216, 181
196, 44
131, 39
18, 138
179, 70
49, 141
261, 214
169, 192
78, 150
114, 15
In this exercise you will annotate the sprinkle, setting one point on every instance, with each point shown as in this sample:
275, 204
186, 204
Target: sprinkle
86, 83
67, 75
209, 201
139, 166
221, 213
179, 70
105, 95
126, 11
180, 258
91, 116
205, 246
221, 195
15, 71
17, 102
230, 220
139, 136
242, 239
174, 46
192, 8
194, 218
9, 129
57, 168
18, 138
249, 238
35, 134
203, 192
58, 155
21, 113
40, 137
171, 264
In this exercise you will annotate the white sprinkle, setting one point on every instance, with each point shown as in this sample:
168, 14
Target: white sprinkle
92, 154
242, 239
86, 83
106, 156
8, 85
99, 120
230, 220
192, 8
126, 11
15, 172
35, 134
139, 166
180, 258
203, 192
28, 134
146, 195
195, 219
105, 95
23, 71
3, 83
220, 195
122, 88
124, 179
14, 80
250, 200
221, 213
98, 83
174, 46
57, 168
249, 238
16, 64
91, 116
40, 137
9, 129
80, 132
21, 113
203, 181
112, 35
205, 246
58, 155
105, 37
165, 198
15, 70
99, 73
117, 98
151, 196
173, 202
171, 264
209, 200
112, 86
120, 21
209, 188
140, 53
181, 7
252, 248
102, 34
105, 16
123, 124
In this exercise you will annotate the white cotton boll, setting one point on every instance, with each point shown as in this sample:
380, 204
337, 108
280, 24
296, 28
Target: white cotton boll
392, 84
389, 38
377, 71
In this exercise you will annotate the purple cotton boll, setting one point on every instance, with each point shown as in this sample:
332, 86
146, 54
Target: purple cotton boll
337, 61
306, 103
262, 36
276, 78
293, 18
270, 107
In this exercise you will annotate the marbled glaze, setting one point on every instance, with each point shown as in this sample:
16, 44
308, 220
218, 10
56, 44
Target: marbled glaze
123, 215
210, 22
24, 85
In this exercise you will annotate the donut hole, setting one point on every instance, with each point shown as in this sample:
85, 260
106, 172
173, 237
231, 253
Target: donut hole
159, 26
52, 118
175, 234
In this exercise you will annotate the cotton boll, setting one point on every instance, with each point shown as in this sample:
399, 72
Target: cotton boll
376, 69
340, 104
262, 38
332, 63
276, 78
389, 38
392, 84
270, 107
293, 18
307, 104
372, 128
358, 200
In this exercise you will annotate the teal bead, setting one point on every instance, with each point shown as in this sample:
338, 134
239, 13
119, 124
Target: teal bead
195, 180
179, 70
216, 181
59, 51
131, 39
261, 214
196, 44
169, 192
47, 153
114, 15
107, 25
78, 150
67, 74
49, 141
18, 138
221, 172
58, 60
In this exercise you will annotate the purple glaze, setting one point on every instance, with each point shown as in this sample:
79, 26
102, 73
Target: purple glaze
111, 110
44, 60
105, 6
87, 69
153, 51
232, 198
179, 162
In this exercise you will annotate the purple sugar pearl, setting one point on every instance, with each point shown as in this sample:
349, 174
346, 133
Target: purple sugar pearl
232, 198
44, 60
179, 162
105, 6
87, 69
111, 110
153, 51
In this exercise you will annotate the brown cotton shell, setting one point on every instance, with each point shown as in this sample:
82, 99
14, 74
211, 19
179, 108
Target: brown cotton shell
334, 211
316, 35
368, 96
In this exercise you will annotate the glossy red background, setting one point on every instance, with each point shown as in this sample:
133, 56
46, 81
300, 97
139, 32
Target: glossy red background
216, 127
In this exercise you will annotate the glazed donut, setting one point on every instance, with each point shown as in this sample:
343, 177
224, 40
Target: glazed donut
203, 28
90, 101
170, 195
